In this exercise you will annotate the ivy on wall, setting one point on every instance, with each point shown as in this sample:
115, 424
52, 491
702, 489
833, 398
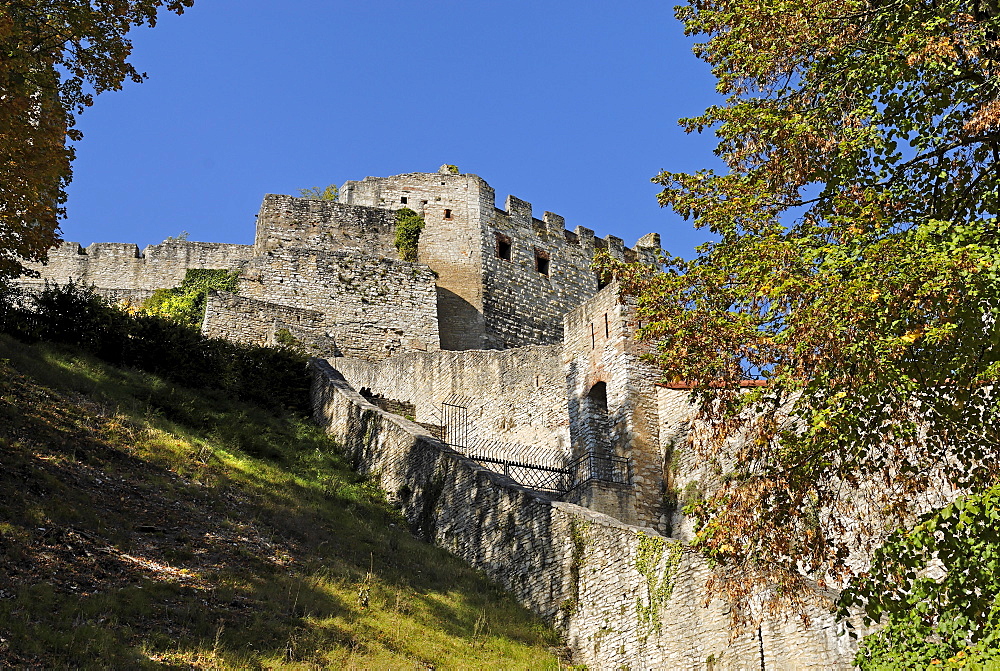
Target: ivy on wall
578, 533
659, 581
408, 227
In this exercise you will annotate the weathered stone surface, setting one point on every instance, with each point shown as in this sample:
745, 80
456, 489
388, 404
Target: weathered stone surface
373, 307
502, 315
516, 399
596, 578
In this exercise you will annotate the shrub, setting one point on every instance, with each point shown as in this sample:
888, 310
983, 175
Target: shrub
408, 227
186, 304
76, 315
329, 193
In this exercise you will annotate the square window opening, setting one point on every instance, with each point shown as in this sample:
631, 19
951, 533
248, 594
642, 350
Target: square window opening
403, 200
504, 246
542, 261
447, 214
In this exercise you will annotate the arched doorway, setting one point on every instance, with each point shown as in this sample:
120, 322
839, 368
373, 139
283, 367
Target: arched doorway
597, 436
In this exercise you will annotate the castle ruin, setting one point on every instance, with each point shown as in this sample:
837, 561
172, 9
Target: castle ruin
548, 428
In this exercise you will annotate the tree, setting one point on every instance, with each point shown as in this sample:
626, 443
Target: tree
951, 615
186, 304
330, 193
57, 55
856, 273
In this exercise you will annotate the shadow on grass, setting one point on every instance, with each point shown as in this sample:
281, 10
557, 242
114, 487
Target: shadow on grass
148, 525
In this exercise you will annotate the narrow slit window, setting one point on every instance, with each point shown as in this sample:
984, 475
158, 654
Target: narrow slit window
607, 329
542, 261
503, 247
447, 214
593, 340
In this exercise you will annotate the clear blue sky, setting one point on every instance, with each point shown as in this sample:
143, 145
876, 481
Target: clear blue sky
572, 106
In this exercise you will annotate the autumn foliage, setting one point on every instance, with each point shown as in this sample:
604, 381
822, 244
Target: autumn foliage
56, 56
855, 269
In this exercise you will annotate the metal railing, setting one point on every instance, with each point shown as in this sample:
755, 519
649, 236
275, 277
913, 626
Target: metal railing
532, 476
551, 477
591, 466
455, 420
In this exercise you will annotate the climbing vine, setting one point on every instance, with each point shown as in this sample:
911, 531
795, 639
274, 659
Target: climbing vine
578, 536
659, 583
408, 227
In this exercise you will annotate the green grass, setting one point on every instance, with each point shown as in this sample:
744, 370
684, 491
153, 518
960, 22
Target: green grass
147, 526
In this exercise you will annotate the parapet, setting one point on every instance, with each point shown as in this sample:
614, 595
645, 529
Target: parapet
286, 221
518, 215
115, 267
113, 250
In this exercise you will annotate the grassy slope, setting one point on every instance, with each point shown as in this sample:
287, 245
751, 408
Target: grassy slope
143, 525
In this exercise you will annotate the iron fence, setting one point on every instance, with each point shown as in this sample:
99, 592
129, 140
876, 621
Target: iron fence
533, 476
590, 466
455, 419
551, 477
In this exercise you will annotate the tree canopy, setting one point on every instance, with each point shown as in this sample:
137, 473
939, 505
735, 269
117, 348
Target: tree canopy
56, 56
856, 270
329, 193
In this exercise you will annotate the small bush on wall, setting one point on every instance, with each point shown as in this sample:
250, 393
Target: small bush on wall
186, 304
328, 193
408, 227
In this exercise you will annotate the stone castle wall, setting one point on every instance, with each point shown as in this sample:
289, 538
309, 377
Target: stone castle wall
686, 475
254, 322
452, 207
286, 221
601, 351
516, 399
120, 270
373, 307
624, 596
490, 297
486, 294
548, 273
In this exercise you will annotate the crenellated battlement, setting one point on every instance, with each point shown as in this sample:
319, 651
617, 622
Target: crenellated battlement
500, 278
551, 227
120, 270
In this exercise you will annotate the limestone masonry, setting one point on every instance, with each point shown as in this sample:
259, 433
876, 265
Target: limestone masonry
541, 448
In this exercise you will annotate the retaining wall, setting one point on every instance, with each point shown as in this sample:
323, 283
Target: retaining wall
623, 596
